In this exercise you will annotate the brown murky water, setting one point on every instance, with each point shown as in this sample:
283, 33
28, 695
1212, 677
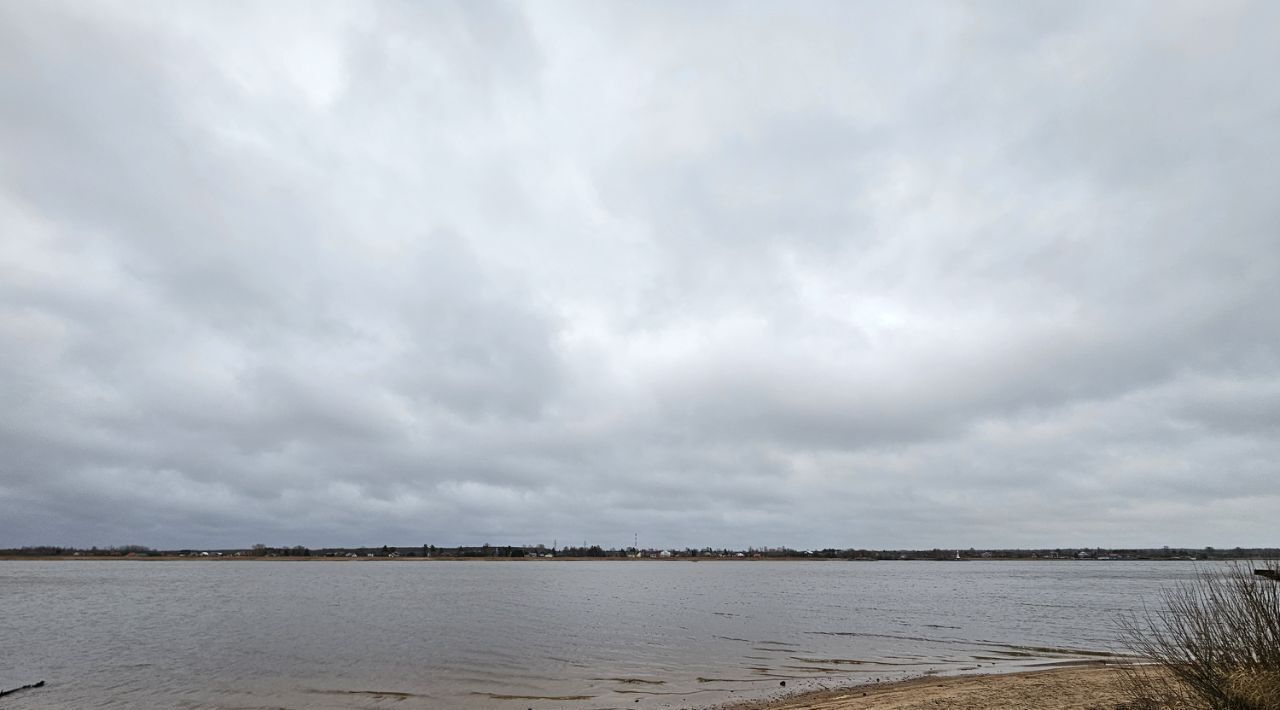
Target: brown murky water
541, 634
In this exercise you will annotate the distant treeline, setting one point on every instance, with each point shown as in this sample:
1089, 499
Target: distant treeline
596, 551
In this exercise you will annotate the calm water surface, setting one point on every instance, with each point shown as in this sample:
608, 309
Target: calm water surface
541, 634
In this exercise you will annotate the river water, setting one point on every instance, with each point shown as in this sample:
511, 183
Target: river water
535, 634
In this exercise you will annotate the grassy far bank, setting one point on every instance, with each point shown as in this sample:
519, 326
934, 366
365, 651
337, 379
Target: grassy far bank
540, 551
411, 560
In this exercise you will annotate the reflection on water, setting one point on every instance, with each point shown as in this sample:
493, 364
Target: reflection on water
542, 634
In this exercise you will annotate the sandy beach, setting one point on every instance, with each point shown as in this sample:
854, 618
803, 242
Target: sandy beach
1089, 687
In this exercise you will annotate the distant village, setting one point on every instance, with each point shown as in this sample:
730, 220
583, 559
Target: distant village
542, 551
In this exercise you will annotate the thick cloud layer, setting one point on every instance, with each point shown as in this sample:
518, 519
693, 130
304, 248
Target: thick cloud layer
836, 274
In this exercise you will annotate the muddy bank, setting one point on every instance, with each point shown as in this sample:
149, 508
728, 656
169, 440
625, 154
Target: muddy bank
1080, 687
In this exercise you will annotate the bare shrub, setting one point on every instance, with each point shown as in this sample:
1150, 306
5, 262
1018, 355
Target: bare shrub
1214, 644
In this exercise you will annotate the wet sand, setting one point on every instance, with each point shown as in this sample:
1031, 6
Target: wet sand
1082, 687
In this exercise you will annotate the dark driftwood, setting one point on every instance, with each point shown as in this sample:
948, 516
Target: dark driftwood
24, 687
1268, 573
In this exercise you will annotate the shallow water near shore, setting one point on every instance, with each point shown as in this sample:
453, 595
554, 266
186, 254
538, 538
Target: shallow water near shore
541, 634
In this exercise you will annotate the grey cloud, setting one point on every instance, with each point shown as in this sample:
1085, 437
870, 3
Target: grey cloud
725, 275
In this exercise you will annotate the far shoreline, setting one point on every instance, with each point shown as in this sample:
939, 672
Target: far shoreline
534, 559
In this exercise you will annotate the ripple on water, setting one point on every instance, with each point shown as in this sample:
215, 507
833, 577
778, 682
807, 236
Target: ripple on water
257, 634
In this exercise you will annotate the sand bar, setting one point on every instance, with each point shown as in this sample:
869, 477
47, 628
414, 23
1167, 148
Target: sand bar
1084, 687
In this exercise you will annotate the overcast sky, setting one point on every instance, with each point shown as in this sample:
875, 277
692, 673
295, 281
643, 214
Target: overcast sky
850, 274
